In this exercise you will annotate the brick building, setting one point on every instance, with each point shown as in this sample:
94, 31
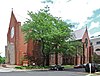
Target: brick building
87, 49
83, 53
95, 40
16, 47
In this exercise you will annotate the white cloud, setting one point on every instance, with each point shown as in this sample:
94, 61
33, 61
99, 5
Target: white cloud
95, 34
20, 8
93, 25
76, 10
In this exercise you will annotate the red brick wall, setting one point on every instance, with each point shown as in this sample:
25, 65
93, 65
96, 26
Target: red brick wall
13, 23
18, 39
34, 51
52, 60
86, 49
22, 46
30, 47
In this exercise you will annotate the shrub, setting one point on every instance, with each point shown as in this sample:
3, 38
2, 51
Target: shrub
20, 67
31, 67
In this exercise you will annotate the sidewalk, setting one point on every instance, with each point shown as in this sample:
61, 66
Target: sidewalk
93, 74
2, 69
97, 73
10, 68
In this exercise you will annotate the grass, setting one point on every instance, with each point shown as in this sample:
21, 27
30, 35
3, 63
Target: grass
41, 67
68, 66
31, 67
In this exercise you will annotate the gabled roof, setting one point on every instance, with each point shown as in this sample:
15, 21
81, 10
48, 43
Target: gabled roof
12, 20
17, 17
78, 34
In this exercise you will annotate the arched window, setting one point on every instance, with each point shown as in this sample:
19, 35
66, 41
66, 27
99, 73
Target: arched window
97, 50
12, 32
98, 42
86, 41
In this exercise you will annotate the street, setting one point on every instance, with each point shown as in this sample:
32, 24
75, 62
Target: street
66, 72
44, 73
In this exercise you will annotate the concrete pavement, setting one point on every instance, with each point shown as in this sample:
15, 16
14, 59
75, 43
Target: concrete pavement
11, 68
2, 69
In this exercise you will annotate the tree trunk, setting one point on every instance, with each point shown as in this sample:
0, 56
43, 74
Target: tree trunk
42, 48
76, 60
83, 54
43, 60
56, 55
56, 58
47, 60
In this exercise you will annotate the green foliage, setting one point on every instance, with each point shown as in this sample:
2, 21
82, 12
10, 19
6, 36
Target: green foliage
19, 67
51, 32
68, 66
73, 48
96, 58
2, 60
31, 67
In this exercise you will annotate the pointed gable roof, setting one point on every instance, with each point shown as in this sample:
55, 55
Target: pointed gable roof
78, 34
12, 17
13, 20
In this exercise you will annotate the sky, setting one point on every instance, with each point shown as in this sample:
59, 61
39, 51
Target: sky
80, 12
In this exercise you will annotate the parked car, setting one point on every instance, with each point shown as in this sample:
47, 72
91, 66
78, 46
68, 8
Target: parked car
78, 66
56, 67
98, 68
94, 67
84, 65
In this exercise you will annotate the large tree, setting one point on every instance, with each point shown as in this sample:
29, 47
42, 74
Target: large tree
50, 31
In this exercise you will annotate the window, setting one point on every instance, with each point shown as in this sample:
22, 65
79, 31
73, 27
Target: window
86, 41
12, 32
97, 50
98, 42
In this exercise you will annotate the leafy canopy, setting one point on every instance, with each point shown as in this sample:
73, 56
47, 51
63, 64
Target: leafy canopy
51, 31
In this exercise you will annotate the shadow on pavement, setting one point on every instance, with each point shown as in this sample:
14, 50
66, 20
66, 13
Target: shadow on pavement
71, 70
76, 70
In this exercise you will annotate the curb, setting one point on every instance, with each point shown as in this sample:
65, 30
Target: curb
97, 73
31, 69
